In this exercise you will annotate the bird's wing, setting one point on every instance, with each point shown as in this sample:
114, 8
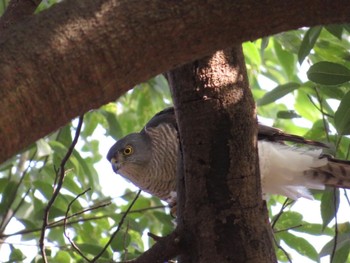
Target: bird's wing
276, 135
264, 132
166, 116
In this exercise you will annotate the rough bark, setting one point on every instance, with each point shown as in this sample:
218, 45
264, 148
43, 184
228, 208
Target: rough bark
81, 54
16, 11
222, 217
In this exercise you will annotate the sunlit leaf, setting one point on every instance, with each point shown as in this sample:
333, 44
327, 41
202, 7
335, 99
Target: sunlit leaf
300, 244
62, 257
308, 42
313, 229
328, 73
342, 116
288, 219
286, 59
277, 93
43, 148
45, 188
304, 107
329, 205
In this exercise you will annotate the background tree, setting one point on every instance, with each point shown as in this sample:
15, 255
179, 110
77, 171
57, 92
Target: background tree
52, 74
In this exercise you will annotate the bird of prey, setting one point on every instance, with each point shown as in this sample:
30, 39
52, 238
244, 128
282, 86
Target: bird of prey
148, 159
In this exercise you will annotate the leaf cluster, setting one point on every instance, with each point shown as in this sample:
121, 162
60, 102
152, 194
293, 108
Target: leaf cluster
300, 80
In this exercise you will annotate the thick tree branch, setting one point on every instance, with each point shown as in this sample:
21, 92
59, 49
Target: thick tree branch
16, 11
81, 54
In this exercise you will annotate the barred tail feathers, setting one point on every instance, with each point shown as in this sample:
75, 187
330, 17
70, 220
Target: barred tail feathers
335, 173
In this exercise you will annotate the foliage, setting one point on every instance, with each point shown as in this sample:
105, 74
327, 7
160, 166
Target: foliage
314, 105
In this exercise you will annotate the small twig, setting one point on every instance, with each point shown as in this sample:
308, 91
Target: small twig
20, 203
118, 228
319, 109
153, 236
346, 196
59, 223
335, 200
283, 250
124, 242
338, 143
285, 204
347, 153
65, 225
58, 188
165, 249
323, 114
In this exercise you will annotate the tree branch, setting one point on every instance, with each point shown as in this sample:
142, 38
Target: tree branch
16, 11
79, 54
166, 248
57, 187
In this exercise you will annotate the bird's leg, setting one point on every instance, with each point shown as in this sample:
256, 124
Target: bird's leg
172, 203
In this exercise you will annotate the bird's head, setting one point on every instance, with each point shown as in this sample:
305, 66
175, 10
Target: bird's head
132, 151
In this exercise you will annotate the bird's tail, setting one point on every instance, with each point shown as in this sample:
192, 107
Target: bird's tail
335, 173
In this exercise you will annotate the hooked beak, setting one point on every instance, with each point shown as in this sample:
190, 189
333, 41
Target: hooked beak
116, 163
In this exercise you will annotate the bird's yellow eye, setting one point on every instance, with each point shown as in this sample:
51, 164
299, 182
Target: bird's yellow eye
128, 150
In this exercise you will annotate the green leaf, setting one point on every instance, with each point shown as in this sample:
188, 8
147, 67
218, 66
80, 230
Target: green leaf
308, 42
115, 129
328, 73
43, 148
8, 196
44, 188
304, 107
92, 249
302, 246
335, 30
16, 255
342, 253
313, 229
287, 220
277, 93
342, 116
121, 241
264, 42
61, 257
290, 114
342, 240
286, 59
329, 205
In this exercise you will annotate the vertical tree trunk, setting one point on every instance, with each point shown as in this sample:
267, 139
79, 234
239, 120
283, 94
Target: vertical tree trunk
220, 210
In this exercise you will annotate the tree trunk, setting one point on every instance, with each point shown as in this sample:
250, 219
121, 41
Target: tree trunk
81, 54
221, 215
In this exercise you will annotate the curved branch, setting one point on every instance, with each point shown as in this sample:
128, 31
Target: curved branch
79, 54
166, 248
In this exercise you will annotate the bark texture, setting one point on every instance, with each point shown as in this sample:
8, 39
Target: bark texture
222, 217
81, 54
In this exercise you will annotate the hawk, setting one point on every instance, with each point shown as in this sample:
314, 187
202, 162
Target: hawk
148, 159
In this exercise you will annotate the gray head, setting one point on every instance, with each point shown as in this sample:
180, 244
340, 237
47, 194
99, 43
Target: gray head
132, 151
